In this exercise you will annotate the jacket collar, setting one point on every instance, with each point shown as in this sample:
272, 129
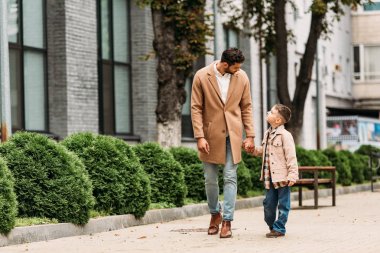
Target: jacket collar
279, 130
214, 83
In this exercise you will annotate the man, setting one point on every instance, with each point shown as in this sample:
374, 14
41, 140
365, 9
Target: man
220, 106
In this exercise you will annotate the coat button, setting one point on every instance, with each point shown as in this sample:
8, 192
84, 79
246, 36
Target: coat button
223, 131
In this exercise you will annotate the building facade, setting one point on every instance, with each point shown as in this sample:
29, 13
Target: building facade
81, 65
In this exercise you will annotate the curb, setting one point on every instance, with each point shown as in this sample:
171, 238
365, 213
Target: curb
37, 233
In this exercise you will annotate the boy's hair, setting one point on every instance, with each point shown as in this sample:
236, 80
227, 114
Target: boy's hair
232, 56
284, 111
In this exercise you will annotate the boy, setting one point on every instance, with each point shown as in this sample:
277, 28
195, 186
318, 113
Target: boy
279, 170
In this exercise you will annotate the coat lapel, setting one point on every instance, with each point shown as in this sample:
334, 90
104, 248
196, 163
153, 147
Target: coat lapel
212, 80
233, 81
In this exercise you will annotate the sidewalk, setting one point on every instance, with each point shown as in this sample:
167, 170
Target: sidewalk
351, 226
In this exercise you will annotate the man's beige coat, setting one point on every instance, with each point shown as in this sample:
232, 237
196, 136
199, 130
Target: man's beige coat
212, 118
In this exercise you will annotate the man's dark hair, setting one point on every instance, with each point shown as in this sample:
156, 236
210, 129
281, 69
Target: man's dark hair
232, 56
284, 111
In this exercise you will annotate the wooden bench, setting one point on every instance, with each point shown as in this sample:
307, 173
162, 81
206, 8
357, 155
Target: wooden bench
374, 166
315, 182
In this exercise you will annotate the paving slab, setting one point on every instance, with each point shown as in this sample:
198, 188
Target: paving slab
351, 226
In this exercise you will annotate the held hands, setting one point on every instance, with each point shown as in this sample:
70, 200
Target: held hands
249, 145
203, 146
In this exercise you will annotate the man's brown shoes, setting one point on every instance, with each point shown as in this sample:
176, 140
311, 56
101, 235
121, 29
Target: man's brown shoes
225, 232
274, 234
216, 219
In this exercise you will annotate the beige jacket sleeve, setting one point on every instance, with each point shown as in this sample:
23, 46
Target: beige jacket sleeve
290, 156
197, 107
246, 109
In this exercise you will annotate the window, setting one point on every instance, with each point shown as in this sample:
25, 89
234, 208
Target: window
366, 67
114, 67
27, 62
374, 6
230, 37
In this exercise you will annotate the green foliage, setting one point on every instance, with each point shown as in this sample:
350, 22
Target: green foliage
244, 181
8, 203
120, 184
49, 181
358, 164
166, 174
195, 182
254, 166
263, 27
306, 157
189, 22
185, 156
193, 169
366, 150
23, 222
342, 164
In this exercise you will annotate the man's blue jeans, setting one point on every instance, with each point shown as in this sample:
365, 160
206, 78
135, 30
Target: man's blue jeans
229, 189
277, 197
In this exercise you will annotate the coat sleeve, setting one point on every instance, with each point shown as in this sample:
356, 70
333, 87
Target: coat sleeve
291, 158
197, 107
246, 109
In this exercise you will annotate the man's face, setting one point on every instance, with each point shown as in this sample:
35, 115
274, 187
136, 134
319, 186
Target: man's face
232, 69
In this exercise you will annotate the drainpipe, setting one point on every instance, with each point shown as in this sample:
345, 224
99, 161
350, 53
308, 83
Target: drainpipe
4, 74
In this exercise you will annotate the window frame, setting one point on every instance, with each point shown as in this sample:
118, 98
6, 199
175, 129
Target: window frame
112, 63
20, 48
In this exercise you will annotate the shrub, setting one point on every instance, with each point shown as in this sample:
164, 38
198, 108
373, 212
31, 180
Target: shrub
166, 174
194, 173
185, 156
306, 157
254, 166
120, 184
367, 150
195, 182
8, 203
358, 165
342, 164
49, 181
244, 182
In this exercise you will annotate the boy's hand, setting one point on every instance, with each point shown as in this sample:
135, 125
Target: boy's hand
249, 145
203, 146
291, 183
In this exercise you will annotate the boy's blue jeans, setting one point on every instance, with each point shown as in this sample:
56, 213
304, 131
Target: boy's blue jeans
229, 189
277, 198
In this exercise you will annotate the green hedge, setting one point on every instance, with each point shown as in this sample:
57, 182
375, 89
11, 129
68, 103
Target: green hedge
8, 203
244, 181
194, 173
254, 166
49, 181
166, 174
120, 184
195, 182
342, 164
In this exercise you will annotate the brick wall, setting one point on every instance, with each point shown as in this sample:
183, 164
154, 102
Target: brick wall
72, 66
144, 80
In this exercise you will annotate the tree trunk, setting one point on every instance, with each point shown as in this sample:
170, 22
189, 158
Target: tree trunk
304, 76
171, 92
281, 47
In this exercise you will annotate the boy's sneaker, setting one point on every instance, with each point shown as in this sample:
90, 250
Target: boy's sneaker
274, 234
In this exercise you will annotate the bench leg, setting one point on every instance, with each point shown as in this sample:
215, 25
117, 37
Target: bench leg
315, 190
299, 195
333, 190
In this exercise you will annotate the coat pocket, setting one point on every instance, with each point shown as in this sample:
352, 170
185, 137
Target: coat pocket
208, 130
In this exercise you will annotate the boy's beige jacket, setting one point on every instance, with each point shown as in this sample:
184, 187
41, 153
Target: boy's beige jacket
212, 118
282, 156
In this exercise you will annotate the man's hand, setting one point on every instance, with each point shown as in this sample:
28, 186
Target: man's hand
203, 145
249, 145
291, 183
